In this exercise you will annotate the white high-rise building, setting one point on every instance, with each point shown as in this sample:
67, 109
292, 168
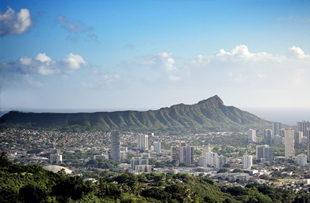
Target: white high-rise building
203, 161
212, 157
247, 161
157, 147
143, 142
289, 143
252, 135
301, 159
115, 145
205, 150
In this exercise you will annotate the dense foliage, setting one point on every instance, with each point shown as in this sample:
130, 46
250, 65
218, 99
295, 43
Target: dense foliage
34, 184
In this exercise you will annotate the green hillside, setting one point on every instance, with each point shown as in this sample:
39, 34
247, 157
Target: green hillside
210, 114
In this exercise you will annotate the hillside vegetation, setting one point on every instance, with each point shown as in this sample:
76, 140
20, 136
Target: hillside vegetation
210, 114
34, 184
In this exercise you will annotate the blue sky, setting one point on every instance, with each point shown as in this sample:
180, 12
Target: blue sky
95, 55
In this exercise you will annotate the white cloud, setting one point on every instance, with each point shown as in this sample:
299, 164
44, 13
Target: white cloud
162, 60
44, 65
73, 62
296, 52
11, 23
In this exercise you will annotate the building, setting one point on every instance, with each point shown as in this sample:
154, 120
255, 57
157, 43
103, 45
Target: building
56, 158
138, 161
276, 127
115, 145
268, 138
143, 168
189, 155
212, 157
298, 138
268, 155
175, 154
289, 143
247, 161
251, 135
308, 141
221, 161
301, 159
182, 151
264, 152
203, 161
157, 147
143, 142
205, 150
302, 126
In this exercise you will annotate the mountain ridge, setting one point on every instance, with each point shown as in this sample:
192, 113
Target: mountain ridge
208, 114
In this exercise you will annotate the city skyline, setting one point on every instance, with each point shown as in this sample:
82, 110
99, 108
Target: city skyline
135, 55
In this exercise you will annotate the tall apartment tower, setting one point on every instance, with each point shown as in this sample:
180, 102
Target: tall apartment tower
247, 161
308, 144
182, 151
157, 147
205, 150
143, 142
268, 138
189, 155
276, 127
115, 145
252, 135
264, 152
302, 126
289, 143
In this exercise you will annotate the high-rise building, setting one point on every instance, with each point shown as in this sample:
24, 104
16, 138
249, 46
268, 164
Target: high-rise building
308, 141
221, 161
205, 150
289, 143
157, 147
56, 158
298, 138
189, 155
268, 138
182, 151
302, 126
276, 127
203, 161
252, 135
175, 154
247, 161
268, 155
143, 142
212, 157
115, 145
264, 152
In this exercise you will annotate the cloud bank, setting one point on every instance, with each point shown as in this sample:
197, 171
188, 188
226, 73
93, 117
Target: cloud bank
43, 65
15, 23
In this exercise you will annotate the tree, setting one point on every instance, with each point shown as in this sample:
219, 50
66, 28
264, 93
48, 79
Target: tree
4, 160
31, 193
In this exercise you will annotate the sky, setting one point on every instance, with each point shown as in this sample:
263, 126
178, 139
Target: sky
99, 55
